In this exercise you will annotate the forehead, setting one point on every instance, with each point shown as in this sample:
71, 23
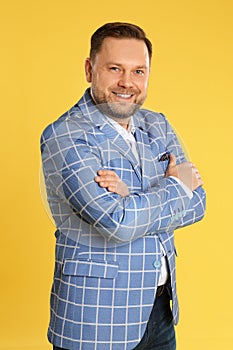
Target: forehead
125, 50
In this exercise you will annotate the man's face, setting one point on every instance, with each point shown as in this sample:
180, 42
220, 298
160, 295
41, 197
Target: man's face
119, 76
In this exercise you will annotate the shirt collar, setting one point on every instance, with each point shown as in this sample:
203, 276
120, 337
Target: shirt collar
120, 129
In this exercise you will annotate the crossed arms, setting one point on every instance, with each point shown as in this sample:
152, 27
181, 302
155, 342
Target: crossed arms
186, 172
101, 199
162, 208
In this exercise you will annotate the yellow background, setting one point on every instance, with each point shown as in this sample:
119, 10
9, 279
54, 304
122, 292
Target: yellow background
44, 44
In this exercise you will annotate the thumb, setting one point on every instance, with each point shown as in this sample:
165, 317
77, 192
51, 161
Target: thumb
172, 161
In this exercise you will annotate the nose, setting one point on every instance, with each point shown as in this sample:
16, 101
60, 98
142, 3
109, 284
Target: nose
125, 80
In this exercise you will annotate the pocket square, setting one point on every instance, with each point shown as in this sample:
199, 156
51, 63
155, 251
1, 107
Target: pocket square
164, 157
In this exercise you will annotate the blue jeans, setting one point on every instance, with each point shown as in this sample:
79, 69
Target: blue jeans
160, 333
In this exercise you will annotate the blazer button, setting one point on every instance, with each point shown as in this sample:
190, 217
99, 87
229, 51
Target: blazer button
157, 264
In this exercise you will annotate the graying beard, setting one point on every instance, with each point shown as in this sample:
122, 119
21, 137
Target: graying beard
107, 109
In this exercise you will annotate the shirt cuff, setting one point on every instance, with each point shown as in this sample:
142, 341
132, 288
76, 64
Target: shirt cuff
185, 188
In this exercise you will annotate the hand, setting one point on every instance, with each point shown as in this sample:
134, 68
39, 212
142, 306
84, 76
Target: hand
186, 172
110, 180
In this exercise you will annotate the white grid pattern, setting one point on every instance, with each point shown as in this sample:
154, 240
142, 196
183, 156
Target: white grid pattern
98, 308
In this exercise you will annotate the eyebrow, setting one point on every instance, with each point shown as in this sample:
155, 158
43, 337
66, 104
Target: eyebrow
121, 65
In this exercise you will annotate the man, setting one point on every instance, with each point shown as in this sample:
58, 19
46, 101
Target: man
118, 185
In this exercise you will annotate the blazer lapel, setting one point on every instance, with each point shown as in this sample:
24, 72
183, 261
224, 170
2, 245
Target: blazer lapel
121, 145
146, 156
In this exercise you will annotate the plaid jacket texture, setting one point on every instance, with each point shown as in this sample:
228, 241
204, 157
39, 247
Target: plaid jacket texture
108, 255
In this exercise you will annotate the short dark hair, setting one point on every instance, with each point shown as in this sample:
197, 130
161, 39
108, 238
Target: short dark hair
118, 30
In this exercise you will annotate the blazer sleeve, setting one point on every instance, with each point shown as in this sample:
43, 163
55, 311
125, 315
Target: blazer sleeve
160, 209
197, 206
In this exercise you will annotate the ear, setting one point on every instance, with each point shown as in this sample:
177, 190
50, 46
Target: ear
88, 70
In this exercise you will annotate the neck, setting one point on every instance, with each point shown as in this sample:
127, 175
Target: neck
124, 125
122, 122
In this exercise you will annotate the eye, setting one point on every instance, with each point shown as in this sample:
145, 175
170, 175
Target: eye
115, 69
139, 71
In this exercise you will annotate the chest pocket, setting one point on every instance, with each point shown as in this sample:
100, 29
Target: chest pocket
90, 268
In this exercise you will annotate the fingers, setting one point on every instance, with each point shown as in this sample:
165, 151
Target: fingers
196, 178
104, 172
107, 178
197, 175
108, 183
186, 172
172, 160
171, 168
110, 180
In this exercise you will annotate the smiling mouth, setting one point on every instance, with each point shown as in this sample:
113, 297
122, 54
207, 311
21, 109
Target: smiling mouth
124, 96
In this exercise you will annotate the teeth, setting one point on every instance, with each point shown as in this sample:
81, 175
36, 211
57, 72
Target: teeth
123, 95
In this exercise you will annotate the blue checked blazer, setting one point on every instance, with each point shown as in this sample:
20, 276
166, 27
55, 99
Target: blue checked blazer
108, 254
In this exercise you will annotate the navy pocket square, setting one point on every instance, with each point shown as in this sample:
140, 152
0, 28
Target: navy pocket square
164, 157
